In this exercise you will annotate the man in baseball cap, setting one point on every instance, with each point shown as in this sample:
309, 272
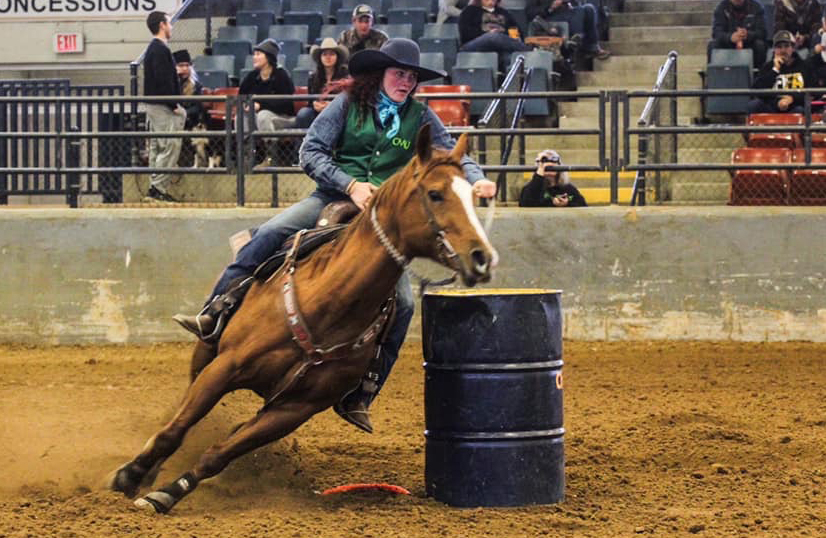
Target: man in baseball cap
362, 35
785, 71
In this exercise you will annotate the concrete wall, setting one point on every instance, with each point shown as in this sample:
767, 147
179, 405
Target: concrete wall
72, 276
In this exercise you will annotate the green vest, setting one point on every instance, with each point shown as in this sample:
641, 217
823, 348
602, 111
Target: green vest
366, 154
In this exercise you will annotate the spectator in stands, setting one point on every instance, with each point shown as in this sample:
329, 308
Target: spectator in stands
161, 78
818, 58
362, 35
363, 137
549, 187
188, 78
449, 11
740, 24
331, 64
582, 24
269, 79
786, 71
486, 27
801, 18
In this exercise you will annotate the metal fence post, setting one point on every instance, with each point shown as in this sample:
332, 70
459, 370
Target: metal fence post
240, 148
603, 160
807, 135
4, 177
73, 161
614, 157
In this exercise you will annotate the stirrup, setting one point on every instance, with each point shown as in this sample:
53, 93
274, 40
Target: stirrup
201, 325
359, 416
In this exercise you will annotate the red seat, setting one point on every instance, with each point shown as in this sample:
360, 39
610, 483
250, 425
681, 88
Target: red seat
753, 186
808, 186
452, 112
776, 139
298, 105
217, 110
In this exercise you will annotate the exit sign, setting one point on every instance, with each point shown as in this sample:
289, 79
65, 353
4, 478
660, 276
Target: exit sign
64, 43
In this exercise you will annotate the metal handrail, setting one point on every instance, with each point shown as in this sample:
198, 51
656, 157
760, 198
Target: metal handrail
670, 63
491, 110
501, 181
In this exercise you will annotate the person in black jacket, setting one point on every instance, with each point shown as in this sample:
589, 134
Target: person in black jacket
549, 187
268, 79
161, 78
486, 27
786, 71
740, 24
331, 65
195, 111
581, 19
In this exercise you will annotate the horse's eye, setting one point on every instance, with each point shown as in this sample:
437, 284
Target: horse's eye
435, 196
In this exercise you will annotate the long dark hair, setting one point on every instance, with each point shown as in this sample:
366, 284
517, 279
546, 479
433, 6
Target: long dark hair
319, 67
364, 90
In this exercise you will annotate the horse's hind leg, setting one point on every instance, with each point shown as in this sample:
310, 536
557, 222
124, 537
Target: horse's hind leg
200, 397
262, 429
202, 355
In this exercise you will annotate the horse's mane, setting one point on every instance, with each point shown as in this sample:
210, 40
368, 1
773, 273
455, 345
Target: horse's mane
391, 189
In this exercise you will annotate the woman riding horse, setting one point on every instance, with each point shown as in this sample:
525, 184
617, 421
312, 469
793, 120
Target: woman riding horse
362, 138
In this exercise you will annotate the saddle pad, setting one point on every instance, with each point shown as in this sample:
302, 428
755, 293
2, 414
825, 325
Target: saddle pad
312, 240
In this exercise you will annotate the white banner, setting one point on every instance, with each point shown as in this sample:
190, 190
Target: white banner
79, 10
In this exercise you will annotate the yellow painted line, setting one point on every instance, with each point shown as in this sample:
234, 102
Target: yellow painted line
584, 175
493, 291
594, 195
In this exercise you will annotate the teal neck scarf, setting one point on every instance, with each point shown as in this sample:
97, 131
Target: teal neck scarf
389, 108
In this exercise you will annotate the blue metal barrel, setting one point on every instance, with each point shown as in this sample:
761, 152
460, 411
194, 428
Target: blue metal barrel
493, 397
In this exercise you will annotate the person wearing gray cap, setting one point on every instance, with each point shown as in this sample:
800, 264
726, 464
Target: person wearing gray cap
785, 71
358, 141
550, 187
362, 35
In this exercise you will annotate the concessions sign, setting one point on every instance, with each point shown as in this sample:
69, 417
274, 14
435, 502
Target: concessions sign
79, 10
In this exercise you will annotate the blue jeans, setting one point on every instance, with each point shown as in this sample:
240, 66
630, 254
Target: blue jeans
271, 235
498, 42
305, 117
582, 20
758, 106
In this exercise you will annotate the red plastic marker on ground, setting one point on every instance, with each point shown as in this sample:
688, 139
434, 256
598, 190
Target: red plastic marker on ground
348, 488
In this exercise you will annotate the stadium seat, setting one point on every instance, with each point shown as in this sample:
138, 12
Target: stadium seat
729, 69
452, 112
224, 62
311, 19
246, 33
301, 75
273, 6
449, 47
298, 105
213, 78
218, 110
435, 61
396, 30
262, 20
446, 30
332, 30
541, 63
808, 186
291, 50
416, 17
754, 186
238, 49
295, 32
768, 9
521, 18
319, 6
777, 139
477, 70
305, 61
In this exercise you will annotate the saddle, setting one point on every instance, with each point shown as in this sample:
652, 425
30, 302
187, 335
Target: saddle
332, 220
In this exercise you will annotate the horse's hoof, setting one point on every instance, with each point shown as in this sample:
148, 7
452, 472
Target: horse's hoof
157, 501
127, 480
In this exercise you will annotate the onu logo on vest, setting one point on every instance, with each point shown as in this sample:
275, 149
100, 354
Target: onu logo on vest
400, 142
789, 81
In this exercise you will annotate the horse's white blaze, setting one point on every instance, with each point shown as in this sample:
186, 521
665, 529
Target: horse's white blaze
465, 193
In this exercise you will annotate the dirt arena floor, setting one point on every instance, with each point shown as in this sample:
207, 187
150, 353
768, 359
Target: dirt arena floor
664, 438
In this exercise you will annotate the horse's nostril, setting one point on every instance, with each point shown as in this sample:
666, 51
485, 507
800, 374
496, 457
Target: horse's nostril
480, 260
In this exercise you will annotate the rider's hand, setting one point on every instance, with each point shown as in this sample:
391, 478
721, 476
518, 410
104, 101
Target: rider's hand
785, 102
484, 188
361, 192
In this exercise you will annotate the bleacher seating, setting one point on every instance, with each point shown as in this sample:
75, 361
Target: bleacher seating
477, 70
303, 67
247, 33
217, 111
298, 105
755, 186
312, 20
775, 139
448, 47
223, 62
452, 112
273, 6
324, 7
435, 61
296, 32
729, 69
238, 49
332, 30
541, 62
262, 20
446, 30
416, 17
396, 30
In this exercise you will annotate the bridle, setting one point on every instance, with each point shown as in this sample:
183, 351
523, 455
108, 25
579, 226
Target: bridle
447, 254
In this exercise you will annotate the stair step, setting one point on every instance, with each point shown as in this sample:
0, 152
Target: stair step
687, 106
625, 79
626, 47
651, 63
673, 34
643, 6
700, 192
663, 18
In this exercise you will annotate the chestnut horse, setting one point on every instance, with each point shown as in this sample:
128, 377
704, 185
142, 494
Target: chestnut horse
341, 289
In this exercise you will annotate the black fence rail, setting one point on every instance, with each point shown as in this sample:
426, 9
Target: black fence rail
93, 147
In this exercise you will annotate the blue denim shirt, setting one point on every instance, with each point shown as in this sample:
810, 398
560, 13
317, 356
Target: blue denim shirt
316, 154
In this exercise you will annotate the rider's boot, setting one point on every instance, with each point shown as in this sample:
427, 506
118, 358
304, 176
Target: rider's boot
354, 407
209, 323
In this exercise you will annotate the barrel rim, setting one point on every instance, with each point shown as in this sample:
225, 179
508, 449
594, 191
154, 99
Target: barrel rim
472, 292
493, 366
494, 436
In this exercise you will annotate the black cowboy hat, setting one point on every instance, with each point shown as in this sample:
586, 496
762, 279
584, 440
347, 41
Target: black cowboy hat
396, 52
182, 57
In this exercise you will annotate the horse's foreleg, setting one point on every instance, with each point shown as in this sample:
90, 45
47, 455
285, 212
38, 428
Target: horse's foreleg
264, 428
202, 355
200, 397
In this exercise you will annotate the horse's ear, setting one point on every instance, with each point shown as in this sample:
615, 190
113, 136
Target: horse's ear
424, 144
460, 149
